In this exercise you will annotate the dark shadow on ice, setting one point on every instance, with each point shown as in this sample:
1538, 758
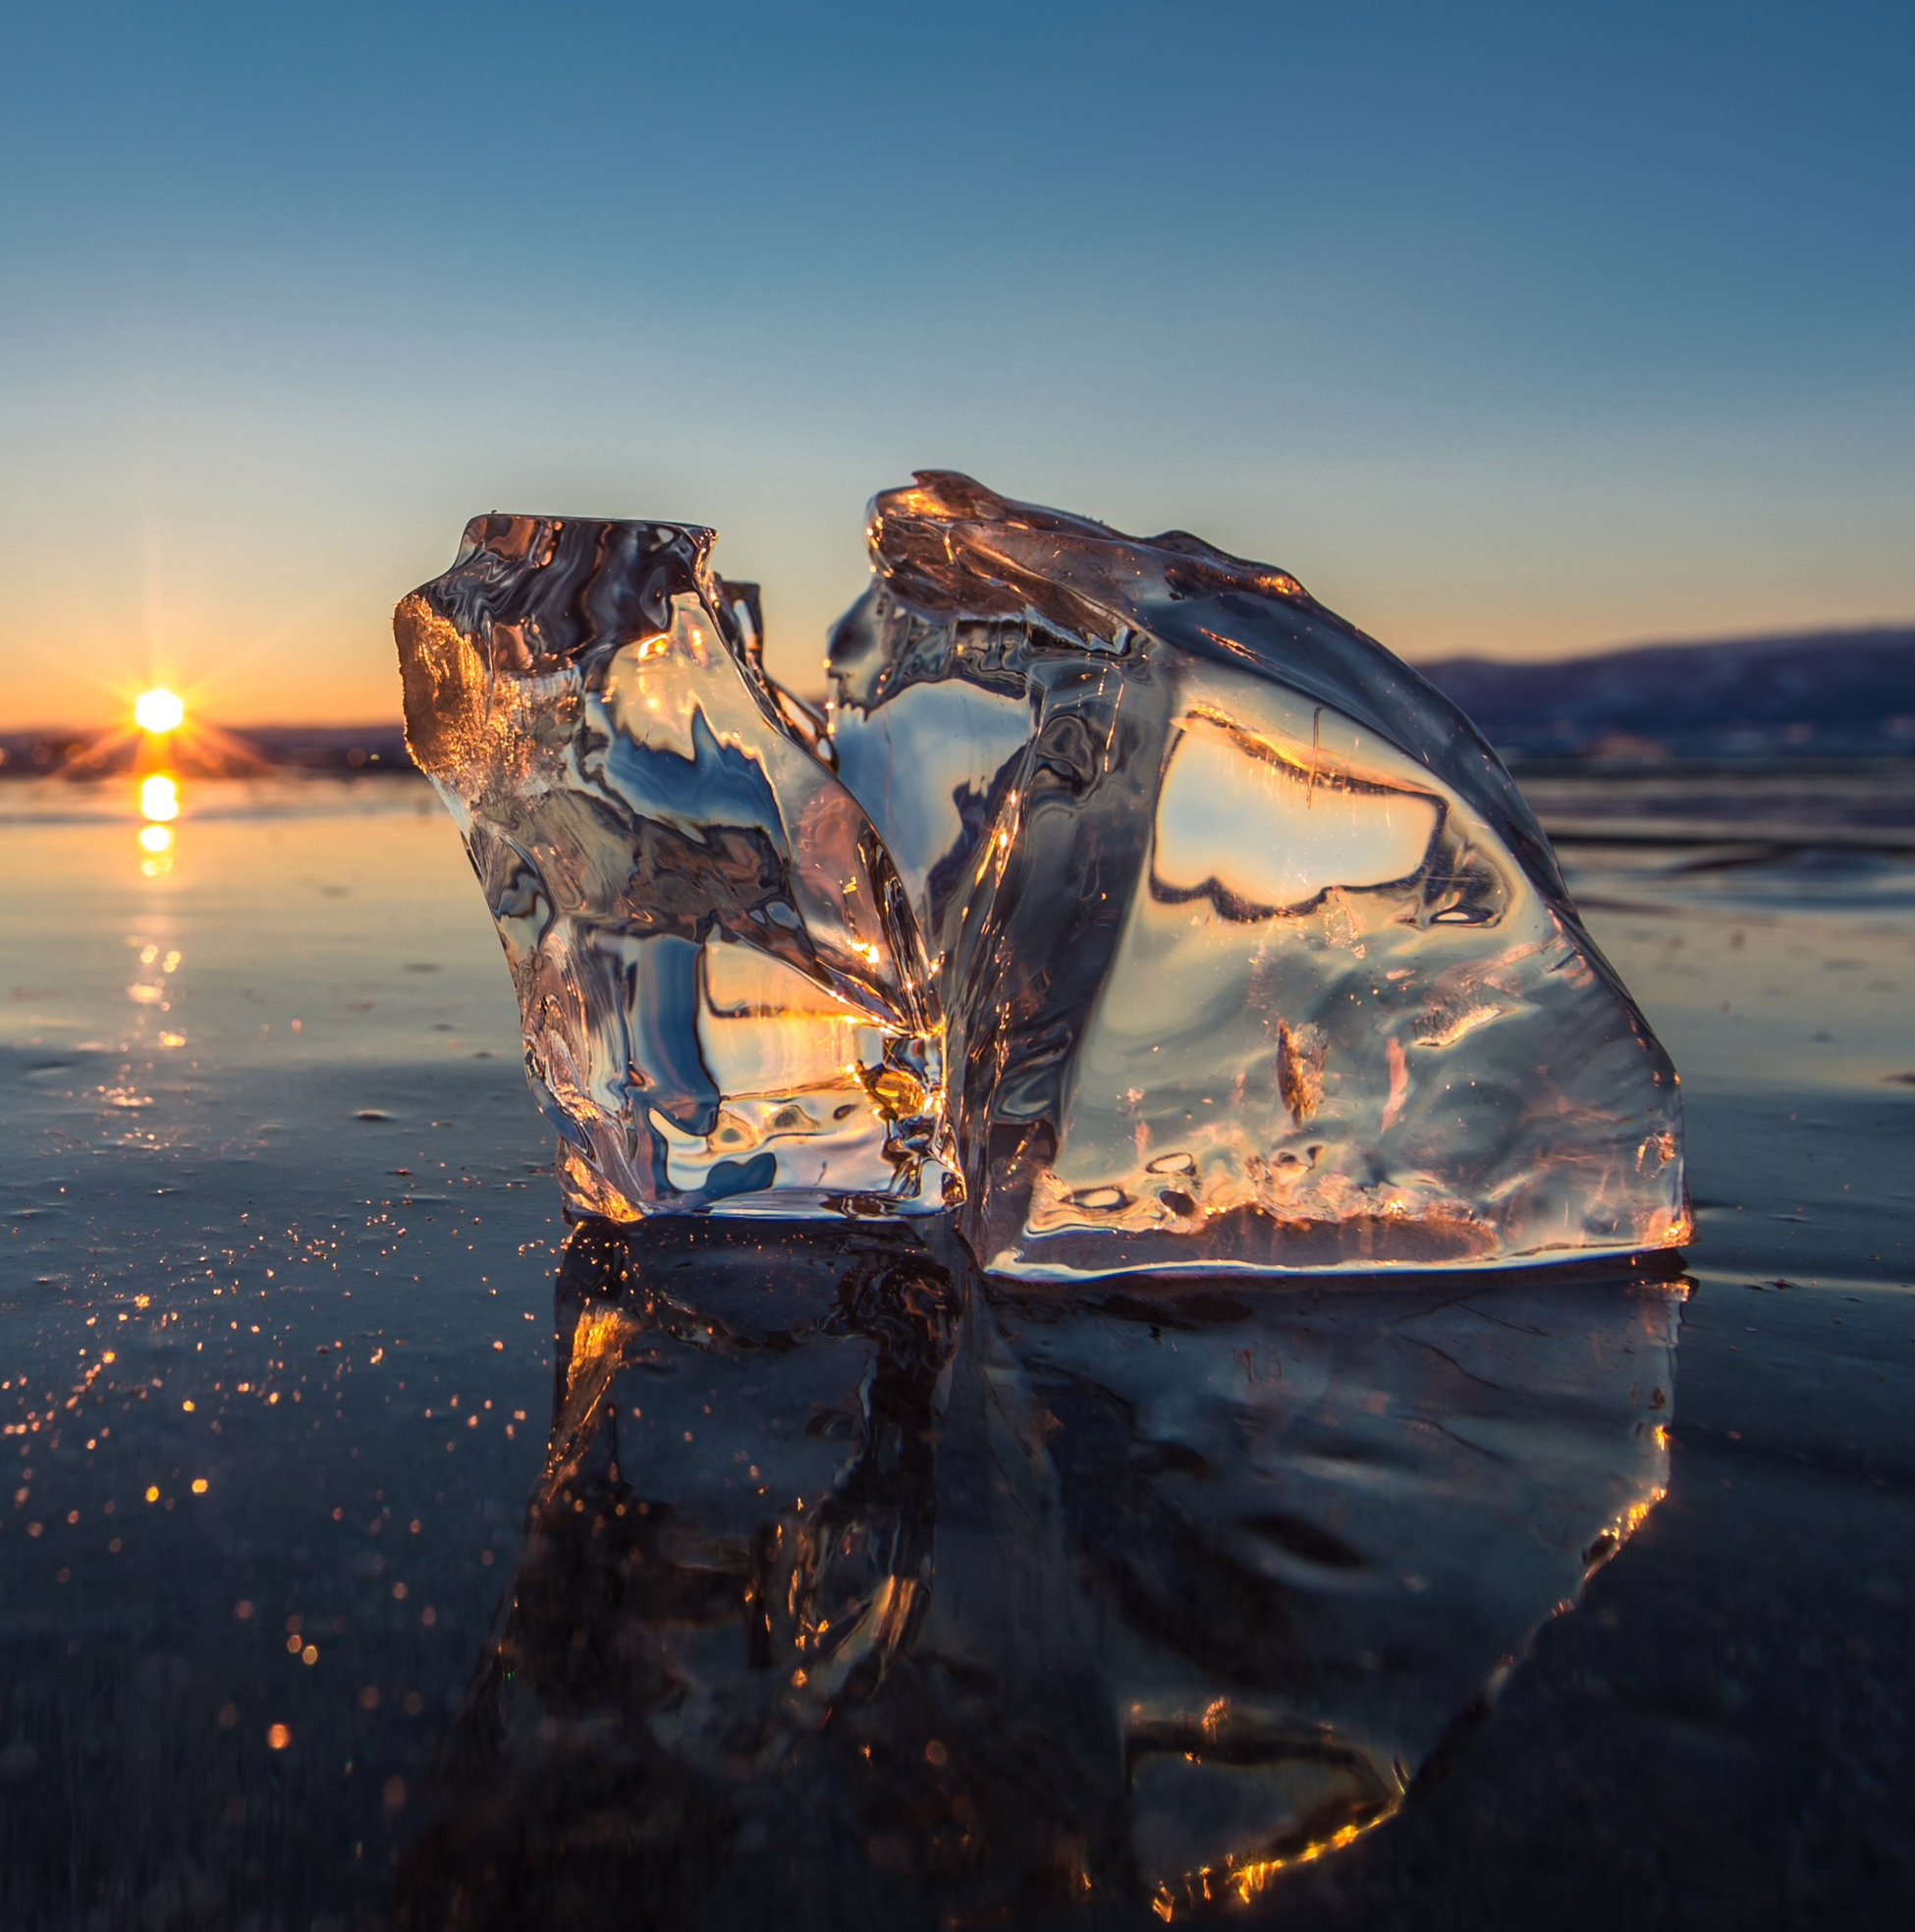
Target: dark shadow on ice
857, 1592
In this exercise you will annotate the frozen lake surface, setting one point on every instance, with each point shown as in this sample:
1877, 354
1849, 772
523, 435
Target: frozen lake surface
358, 1559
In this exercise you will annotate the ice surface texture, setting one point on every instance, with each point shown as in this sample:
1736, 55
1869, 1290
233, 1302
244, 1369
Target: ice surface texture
1241, 947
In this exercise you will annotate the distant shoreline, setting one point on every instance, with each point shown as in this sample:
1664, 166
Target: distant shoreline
1839, 695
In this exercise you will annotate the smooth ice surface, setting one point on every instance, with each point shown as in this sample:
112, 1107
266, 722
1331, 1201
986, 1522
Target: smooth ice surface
1241, 948
719, 980
1250, 951
316, 1238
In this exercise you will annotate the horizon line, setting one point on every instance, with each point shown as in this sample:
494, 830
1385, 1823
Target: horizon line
1793, 634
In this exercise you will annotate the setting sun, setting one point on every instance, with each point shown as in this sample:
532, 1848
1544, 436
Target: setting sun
159, 712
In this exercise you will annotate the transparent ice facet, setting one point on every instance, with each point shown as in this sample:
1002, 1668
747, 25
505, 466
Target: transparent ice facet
721, 984
1251, 954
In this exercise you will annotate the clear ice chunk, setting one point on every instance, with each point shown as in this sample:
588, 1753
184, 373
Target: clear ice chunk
1241, 948
1250, 952
720, 980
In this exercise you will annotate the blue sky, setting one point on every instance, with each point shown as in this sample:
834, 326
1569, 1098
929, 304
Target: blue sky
1510, 329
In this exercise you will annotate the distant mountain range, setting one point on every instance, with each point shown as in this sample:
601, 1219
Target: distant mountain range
204, 752
1825, 693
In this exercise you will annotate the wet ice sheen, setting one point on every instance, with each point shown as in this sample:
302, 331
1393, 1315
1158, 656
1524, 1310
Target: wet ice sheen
1240, 946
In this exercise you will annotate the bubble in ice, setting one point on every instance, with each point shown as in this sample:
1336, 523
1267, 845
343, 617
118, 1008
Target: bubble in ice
1126, 903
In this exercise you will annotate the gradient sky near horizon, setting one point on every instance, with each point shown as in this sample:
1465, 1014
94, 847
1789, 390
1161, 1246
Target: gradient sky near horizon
1509, 329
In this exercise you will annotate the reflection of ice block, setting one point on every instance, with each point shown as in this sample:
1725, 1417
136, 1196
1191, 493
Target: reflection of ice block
1251, 954
721, 984
1331, 1524
852, 1597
